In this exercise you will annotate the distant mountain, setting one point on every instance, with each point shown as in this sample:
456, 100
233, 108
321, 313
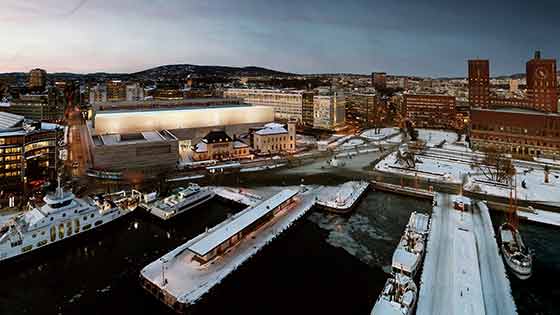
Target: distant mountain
184, 70
180, 71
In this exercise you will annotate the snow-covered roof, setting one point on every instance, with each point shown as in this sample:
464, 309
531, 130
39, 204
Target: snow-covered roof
201, 147
404, 260
507, 236
4, 104
239, 144
272, 129
224, 232
9, 120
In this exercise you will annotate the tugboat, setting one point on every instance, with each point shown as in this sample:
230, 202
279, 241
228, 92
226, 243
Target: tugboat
516, 255
397, 298
62, 217
182, 201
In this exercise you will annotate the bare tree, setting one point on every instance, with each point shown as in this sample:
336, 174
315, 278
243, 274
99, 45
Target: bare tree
406, 159
495, 165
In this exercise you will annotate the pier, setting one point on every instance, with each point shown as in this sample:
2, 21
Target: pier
181, 277
343, 198
463, 270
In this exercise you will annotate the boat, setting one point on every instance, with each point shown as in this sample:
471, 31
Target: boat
397, 298
419, 223
62, 217
408, 256
180, 202
516, 255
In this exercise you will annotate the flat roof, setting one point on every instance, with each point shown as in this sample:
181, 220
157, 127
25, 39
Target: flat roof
224, 232
127, 111
514, 110
9, 120
146, 136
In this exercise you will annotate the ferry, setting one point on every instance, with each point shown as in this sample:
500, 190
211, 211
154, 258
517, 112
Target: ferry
397, 298
61, 217
516, 255
184, 200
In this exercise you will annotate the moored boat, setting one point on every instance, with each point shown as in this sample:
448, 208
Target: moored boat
516, 255
180, 202
61, 217
397, 298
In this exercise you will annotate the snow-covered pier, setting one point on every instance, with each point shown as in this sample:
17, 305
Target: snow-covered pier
181, 277
343, 198
237, 195
463, 271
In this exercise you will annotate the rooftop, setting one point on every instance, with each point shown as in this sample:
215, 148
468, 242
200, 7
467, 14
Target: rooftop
224, 232
514, 110
9, 120
147, 136
178, 108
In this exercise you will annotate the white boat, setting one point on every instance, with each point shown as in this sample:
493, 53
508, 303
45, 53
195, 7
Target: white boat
397, 298
408, 256
516, 255
419, 223
62, 217
184, 200
409, 253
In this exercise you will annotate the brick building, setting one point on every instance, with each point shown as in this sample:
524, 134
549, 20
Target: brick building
516, 131
430, 111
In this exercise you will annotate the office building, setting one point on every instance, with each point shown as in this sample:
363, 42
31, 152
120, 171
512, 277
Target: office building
49, 106
98, 94
379, 80
287, 104
329, 111
37, 80
27, 151
430, 111
134, 92
116, 91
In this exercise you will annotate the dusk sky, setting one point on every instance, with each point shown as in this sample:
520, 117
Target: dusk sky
427, 37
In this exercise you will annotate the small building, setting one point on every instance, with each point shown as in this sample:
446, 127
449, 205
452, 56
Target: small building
274, 138
218, 240
218, 145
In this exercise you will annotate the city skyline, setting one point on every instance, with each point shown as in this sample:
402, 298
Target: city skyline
404, 37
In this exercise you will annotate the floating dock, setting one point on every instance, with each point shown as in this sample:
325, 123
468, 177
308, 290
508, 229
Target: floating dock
343, 198
181, 277
403, 190
463, 271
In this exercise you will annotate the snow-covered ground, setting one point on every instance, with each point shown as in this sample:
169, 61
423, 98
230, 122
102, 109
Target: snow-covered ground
428, 167
541, 216
188, 281
352, 143
463, 272
536, 189
382, 133
238, 195
435, 137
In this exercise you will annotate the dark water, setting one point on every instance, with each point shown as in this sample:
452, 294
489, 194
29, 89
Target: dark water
325, 264
539, 294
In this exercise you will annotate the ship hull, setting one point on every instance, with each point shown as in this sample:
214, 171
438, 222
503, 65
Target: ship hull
7, 255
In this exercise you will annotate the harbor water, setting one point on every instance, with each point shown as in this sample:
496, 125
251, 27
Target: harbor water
325, 264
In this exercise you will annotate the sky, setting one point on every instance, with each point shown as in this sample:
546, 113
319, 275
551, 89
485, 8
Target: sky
408, 37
